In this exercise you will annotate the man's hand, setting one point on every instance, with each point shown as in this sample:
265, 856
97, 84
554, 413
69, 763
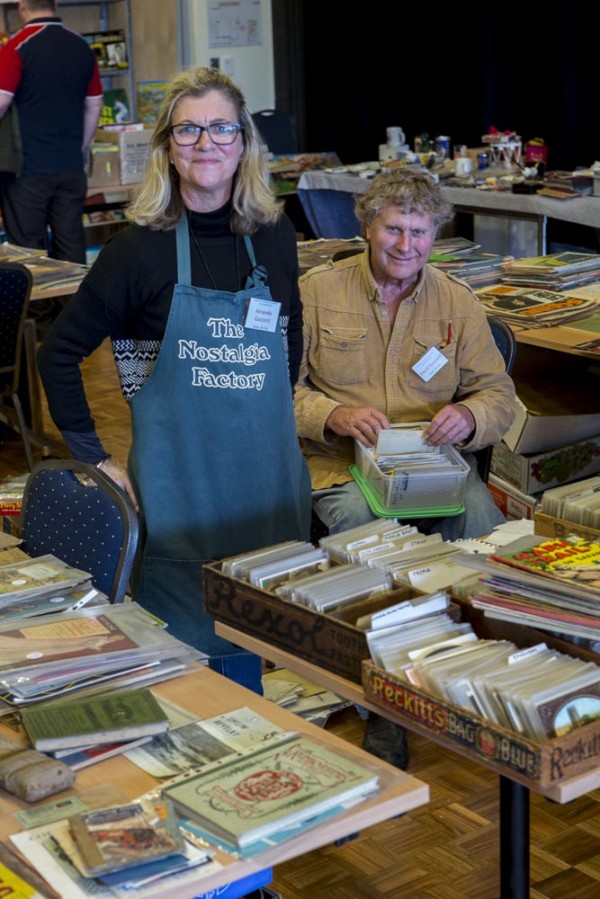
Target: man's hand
450, 425
362, 424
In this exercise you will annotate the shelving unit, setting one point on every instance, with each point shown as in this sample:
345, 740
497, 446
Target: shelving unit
103, 24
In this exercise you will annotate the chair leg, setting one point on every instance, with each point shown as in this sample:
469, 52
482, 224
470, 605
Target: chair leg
24, 431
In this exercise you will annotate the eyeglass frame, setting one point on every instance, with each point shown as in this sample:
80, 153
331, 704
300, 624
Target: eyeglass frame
238, 129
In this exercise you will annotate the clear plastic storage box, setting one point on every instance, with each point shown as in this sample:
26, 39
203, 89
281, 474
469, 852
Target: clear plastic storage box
398, 484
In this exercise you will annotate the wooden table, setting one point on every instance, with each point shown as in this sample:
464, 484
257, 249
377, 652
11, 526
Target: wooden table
514, 796
206, 693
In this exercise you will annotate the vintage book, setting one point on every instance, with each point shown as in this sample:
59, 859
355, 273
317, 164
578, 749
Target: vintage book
116, 108
150, 95
90, 755
124, 836
533, 307
43, 575
563, 262
110, 48
570, 559
104, 718
19, 880
248, 798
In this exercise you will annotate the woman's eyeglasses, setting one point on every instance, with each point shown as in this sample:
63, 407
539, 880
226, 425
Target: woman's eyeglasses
221, 133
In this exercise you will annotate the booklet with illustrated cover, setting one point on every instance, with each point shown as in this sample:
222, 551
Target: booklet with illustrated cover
123, 836
292, 782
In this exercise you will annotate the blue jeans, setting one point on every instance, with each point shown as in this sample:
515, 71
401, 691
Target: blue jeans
344, 506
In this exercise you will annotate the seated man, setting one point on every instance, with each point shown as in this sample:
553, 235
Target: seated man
388, 338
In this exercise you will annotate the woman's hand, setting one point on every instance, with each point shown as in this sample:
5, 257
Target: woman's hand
120, 477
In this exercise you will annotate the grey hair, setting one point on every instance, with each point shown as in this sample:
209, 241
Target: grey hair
411, 191
157, 202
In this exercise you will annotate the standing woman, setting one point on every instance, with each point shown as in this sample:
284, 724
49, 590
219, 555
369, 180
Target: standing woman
199, 296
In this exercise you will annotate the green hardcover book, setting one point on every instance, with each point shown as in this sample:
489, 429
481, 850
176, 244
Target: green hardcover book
105, 718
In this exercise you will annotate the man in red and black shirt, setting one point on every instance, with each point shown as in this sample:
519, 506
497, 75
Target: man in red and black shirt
52, 76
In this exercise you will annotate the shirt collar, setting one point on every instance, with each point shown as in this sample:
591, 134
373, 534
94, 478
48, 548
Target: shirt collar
371, 285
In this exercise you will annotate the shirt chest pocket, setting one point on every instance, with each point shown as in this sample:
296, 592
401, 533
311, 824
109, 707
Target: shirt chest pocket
341, 357
446, 379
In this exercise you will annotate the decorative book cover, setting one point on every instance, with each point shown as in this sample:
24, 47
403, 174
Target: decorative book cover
123, 836
116, 108
248, 798
110, 48
105, 718
571, 559
18, 880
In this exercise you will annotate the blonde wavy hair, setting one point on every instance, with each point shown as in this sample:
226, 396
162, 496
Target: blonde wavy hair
157, 202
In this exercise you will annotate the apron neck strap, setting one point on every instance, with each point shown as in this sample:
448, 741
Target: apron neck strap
184, 265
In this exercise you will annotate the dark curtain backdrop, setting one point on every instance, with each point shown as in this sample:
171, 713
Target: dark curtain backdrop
453, 70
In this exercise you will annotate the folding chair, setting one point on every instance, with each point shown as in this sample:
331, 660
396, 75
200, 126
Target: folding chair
15, 289
74, 511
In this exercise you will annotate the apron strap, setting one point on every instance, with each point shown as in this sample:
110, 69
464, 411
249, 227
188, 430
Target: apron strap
258, 276
184, 265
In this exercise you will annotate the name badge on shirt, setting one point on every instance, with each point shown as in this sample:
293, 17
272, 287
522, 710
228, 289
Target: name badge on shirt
262, 315
429, 364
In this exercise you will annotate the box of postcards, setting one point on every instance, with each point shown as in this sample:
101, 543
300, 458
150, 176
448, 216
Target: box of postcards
549, 738
403, 476
309, 601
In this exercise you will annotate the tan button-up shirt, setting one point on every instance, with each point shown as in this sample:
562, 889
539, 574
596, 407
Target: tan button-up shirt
352, 357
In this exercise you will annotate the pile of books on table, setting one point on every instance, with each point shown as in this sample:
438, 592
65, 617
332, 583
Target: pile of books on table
559, 271
534, 307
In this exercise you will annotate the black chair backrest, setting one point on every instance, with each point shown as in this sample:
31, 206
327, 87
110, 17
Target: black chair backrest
277, 131
76, 512
506, 343
15, 290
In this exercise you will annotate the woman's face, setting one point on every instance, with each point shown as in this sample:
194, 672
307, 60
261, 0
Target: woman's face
206, 170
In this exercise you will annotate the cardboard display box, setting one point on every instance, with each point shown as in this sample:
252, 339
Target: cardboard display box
328, 640
549, 526
533, 473
512, 503
539, 429
539, 766
134, 151
105, 170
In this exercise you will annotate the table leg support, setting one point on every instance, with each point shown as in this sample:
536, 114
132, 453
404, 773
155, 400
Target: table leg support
514, 840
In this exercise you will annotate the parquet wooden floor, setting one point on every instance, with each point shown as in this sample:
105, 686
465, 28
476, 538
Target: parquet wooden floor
448, 849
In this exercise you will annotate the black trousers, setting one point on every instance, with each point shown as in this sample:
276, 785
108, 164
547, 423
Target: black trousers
32, 203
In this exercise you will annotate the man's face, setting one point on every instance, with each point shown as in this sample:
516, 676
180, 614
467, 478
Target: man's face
400, 245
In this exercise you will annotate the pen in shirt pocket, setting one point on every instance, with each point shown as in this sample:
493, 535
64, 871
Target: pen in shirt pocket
449, 337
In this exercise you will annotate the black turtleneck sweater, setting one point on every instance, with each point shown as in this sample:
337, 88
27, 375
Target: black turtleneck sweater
127, 296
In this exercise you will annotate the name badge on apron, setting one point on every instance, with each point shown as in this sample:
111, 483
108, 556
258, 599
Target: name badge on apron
429, 364
262, 315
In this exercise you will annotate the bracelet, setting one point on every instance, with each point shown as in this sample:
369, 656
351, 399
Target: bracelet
101, 463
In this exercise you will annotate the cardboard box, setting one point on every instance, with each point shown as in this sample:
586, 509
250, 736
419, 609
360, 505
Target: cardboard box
512, 503
537, 765
539, 431
105, 170
134, 151
533, 473
549, 526
328, 640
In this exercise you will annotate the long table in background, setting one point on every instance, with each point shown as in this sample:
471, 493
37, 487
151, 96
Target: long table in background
333, 217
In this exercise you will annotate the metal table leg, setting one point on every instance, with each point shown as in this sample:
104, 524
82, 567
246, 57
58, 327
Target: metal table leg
514, 839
